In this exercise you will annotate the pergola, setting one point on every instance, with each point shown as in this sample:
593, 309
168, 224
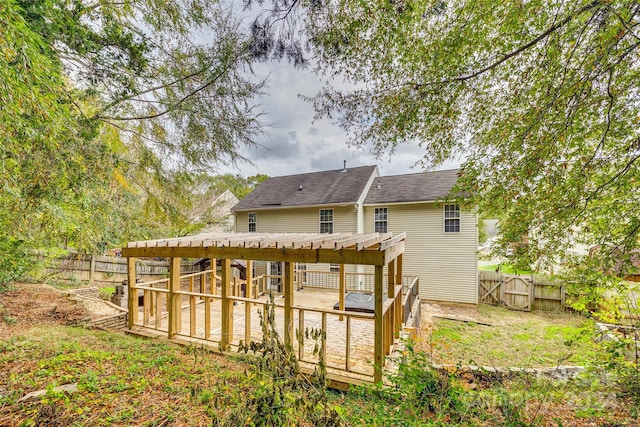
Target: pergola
375, 249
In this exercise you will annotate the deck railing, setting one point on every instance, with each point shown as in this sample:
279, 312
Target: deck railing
410, 297
194, 312
355, 282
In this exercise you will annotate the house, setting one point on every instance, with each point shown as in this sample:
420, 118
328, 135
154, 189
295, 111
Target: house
441, 239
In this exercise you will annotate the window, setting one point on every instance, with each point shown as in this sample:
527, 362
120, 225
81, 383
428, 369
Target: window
451, 218
326, 220
252, 222
380, 220
334, 268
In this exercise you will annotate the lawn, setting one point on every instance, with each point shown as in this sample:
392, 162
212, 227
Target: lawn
501, 337
125, 380
503, 267
121, 380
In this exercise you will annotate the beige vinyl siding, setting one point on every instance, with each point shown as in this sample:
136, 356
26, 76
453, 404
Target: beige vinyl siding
445, 262
304, 220
300, 220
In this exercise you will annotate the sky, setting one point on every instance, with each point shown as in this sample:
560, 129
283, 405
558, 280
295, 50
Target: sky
293, 143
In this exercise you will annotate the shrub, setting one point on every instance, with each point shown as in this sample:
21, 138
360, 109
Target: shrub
15, 261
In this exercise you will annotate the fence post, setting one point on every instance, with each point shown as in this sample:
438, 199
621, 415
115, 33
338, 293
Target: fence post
92, 269
133, 292
214, 282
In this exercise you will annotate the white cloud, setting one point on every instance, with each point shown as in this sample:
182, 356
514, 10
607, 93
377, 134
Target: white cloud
294, 143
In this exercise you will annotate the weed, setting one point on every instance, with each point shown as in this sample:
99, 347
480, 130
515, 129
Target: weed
107, 292
282, 395
9, 320
90, 382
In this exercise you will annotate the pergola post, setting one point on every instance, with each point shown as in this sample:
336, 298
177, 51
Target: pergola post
227, 304
288, 302
248, 293
343, 289
175, 304
378, 346
132, 302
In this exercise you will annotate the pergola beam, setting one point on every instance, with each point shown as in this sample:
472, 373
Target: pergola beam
313, 256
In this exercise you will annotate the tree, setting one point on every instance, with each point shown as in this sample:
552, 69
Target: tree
100, 104
173, 76
540, 98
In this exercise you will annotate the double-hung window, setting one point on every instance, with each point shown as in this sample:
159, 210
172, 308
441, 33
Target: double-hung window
380, 220
452, 218
252, 222
326, 220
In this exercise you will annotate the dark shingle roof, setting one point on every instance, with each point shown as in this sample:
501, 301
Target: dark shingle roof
416, 187
318, 188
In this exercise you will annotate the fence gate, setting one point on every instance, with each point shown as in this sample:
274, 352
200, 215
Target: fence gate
517, 293
490, 290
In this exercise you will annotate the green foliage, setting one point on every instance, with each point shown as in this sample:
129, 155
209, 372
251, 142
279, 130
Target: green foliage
539, 98
15, 260
121, 380
125, 380
417, 394
283, 395
101, 104
147, 72
619, 363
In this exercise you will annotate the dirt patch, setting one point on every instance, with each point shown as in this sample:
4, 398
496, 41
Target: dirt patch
27, 306
468, 313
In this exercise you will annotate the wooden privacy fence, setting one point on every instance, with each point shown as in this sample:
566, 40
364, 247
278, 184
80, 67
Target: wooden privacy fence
521, 292
103, 270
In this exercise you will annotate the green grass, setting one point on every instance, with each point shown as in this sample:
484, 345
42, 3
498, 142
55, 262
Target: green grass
505, 268
124, 380
516, 339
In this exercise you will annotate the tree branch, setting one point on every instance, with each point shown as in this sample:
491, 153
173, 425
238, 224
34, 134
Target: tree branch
519, 50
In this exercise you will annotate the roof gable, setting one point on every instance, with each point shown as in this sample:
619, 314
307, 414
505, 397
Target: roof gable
333, 187
416, 187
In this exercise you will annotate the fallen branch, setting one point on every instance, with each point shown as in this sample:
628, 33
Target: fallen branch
463, 320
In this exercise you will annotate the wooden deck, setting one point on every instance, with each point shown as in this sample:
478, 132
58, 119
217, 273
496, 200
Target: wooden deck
217, 313
348, 353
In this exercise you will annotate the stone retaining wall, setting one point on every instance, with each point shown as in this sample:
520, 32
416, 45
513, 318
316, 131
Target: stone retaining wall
116, 323
562, 372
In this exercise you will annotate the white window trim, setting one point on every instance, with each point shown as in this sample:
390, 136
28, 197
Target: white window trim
444, 218
320, 222
386, 221
254, 222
